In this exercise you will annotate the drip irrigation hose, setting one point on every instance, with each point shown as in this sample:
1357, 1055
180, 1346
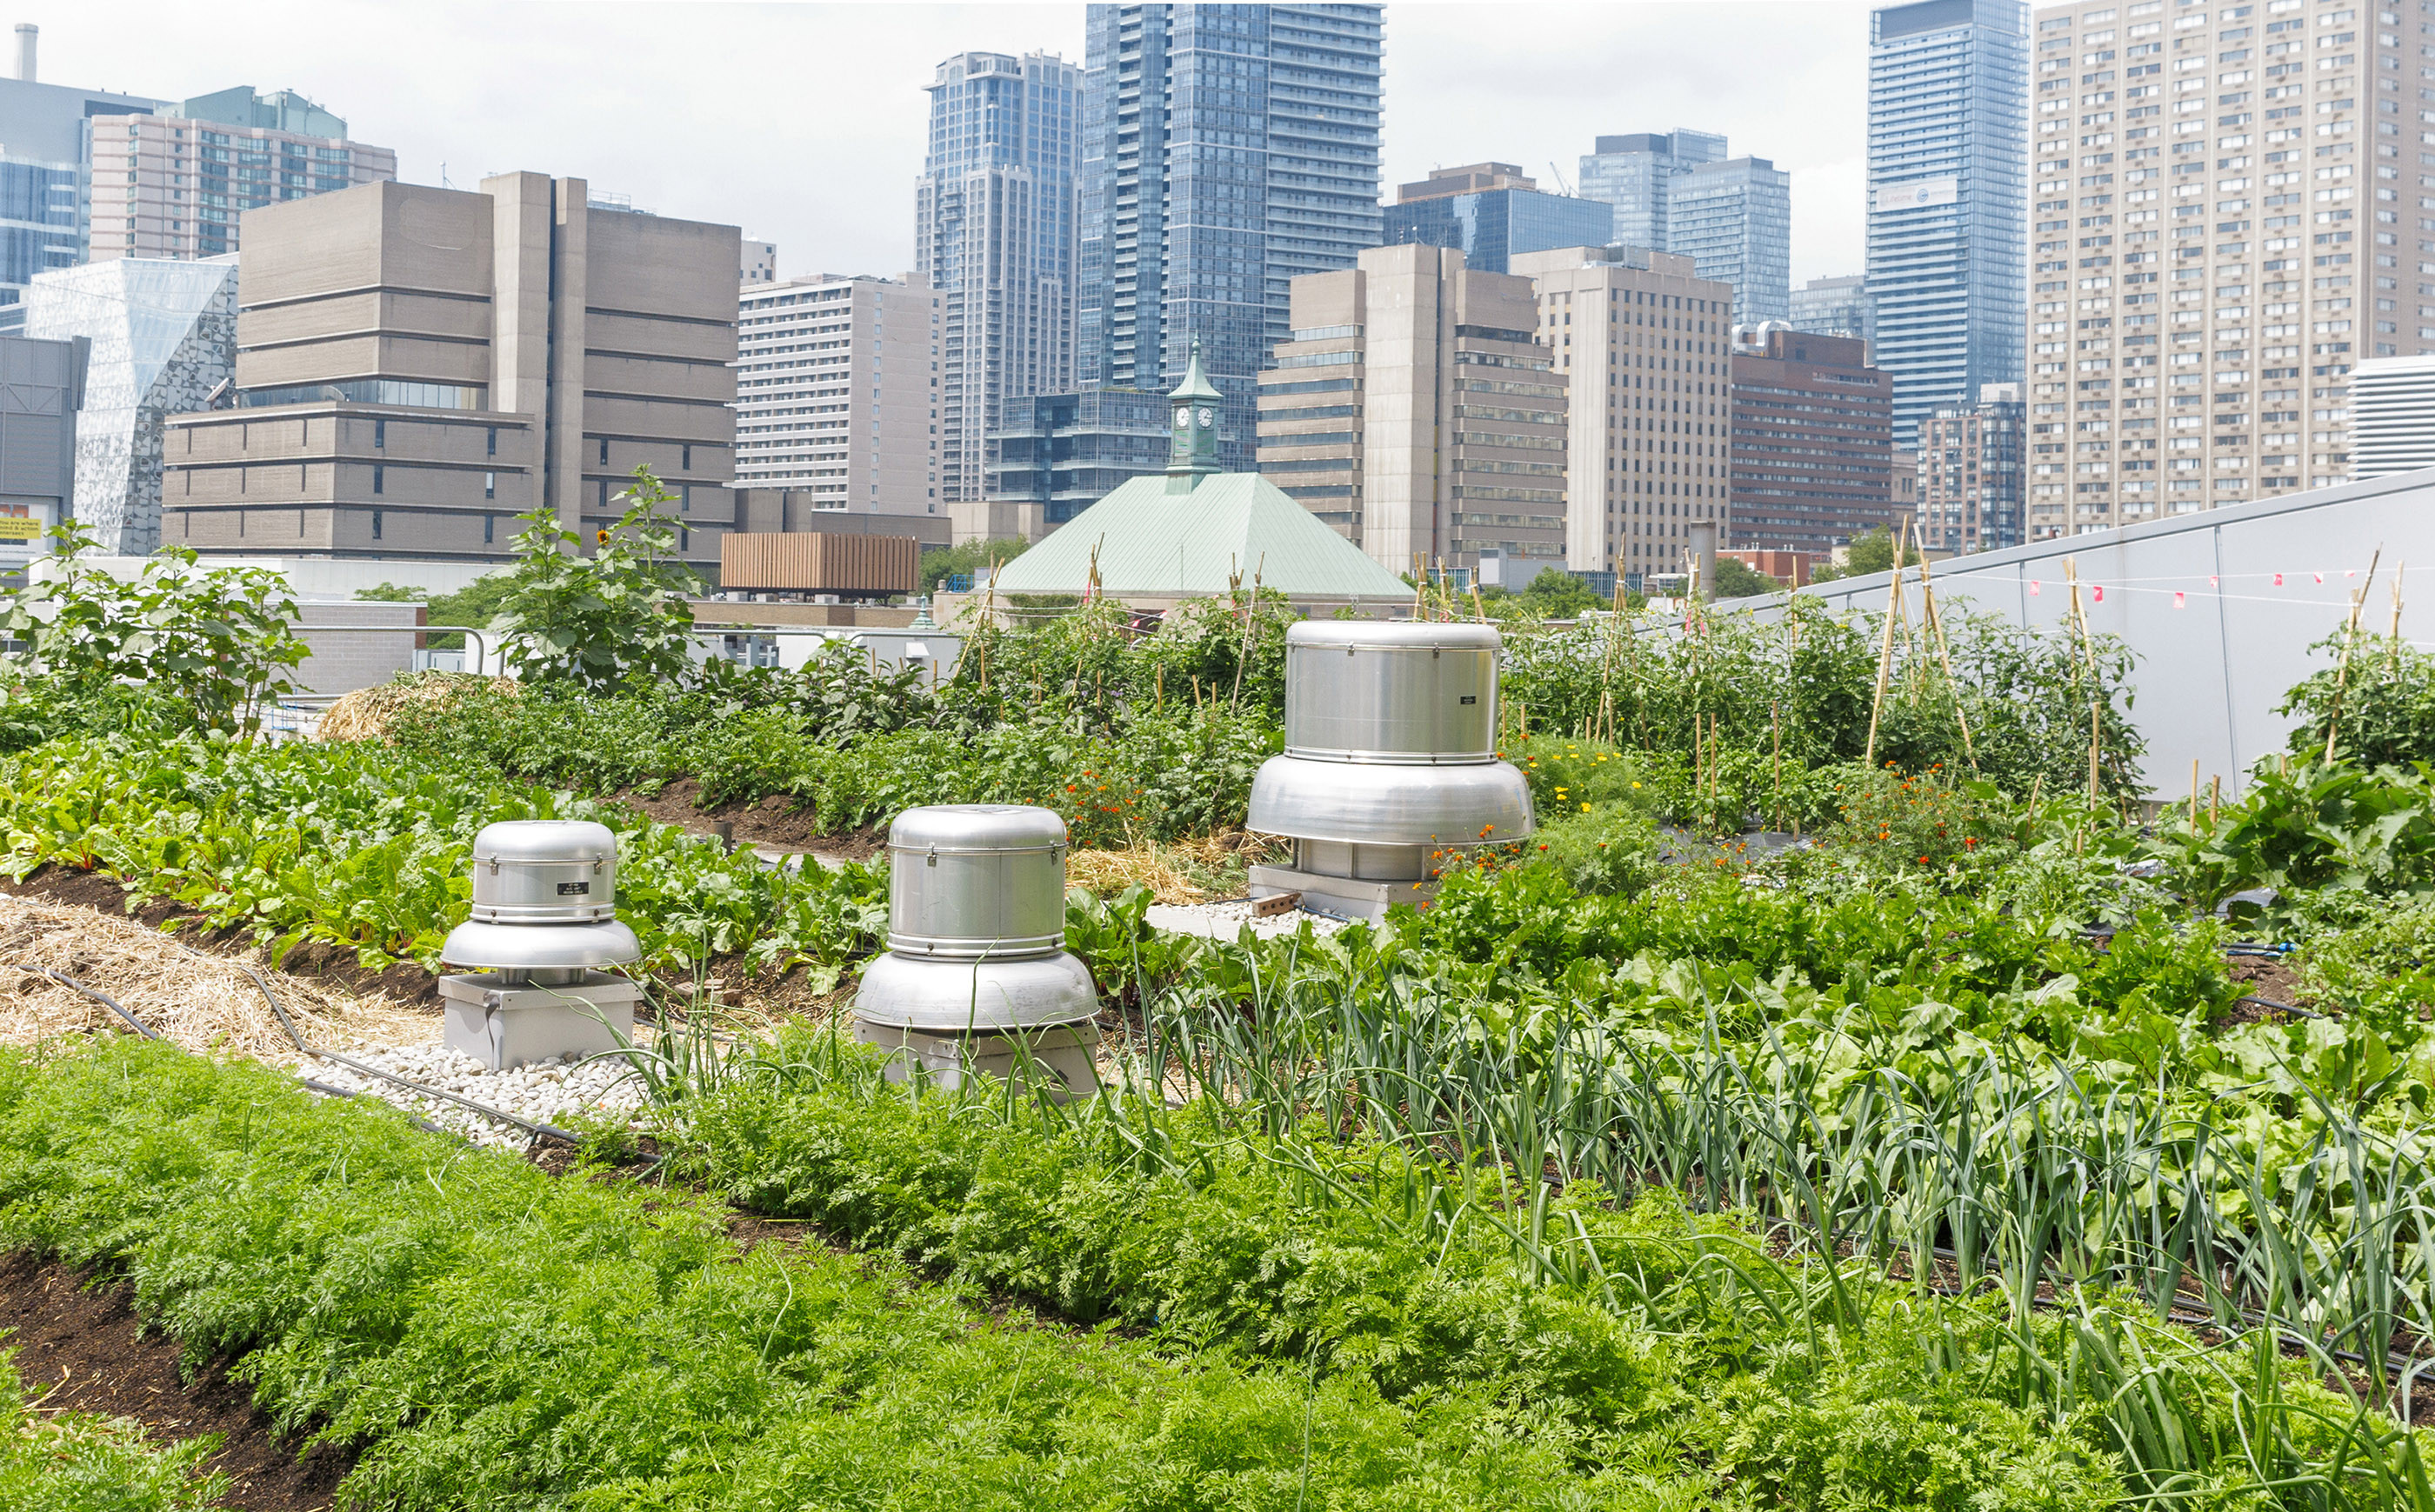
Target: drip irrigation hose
149, 1033
364, 1069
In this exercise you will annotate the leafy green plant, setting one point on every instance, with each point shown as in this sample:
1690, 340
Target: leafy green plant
221, 638
618, 617
80, 1462
2378, 703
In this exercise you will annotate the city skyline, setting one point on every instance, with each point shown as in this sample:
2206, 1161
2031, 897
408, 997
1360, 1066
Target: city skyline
1463, 82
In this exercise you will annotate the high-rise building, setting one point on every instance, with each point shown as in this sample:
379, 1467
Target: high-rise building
1416, 410
2392, 416
1057, 454
1644, 340
45, 172
416, 367
1677, 192
1635, 173
760, 263
835, 399
995, 236
174, 183
1948, 112
162, 338
2223, 231
1489, 211
1973, 473
1836, 307
1225, 151
1812, 441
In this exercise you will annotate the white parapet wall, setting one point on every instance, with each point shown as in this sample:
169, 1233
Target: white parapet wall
2220, 607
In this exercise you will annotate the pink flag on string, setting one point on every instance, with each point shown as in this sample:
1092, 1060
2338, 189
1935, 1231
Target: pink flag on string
2096, 595
2180, 600
2319, 576
2211, 582
2033, 588
2278, 580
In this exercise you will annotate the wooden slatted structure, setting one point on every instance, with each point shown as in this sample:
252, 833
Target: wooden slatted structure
803, 561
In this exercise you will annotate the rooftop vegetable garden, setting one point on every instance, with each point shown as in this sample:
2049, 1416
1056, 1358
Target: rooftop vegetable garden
2006, 1142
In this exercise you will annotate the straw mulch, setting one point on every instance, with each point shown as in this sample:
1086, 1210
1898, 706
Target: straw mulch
1175, 872
365, 714
202, 1002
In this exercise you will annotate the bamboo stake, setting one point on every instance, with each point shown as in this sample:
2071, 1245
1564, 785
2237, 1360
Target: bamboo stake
2342, 672
1159, 697
2215, 797
2393, 659
2194, 793
1886, 650
1775, 737
2088, 657
1944, 653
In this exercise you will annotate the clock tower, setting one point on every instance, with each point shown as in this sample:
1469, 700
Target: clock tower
1192, 445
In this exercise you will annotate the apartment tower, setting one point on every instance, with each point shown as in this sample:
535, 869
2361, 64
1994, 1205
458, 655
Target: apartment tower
1644, 341
174, 183
1812, 441
1836, 307
995, 238
1678, 192
1973, 474
1948, 112
416, 367
2236, 206
1417, 412
1226, 151
836, 402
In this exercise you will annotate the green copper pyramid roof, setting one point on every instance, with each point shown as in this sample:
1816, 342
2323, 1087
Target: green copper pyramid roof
1153, 543
1196, 382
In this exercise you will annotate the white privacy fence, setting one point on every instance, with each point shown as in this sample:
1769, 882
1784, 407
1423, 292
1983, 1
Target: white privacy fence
2220, 607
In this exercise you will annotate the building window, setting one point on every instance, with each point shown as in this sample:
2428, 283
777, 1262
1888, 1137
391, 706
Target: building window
490, 485
380, 433
604, 451
493, 448
604, 495
490, 525
684, 498
686, 466
380, 479
377, 525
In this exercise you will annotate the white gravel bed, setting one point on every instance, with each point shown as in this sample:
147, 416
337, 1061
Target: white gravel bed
546, 1092
1225, 921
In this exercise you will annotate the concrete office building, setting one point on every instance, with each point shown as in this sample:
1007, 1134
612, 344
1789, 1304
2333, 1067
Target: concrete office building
760, 262
1418, 412
1678, 192
1225, 151
2392, 416
995, 237
834, 396
162, 337
416, 367
176, 182
1947, 218
45, 169
1490, 211
1812, 441
1836, 307
41, 383
1057, 454
2234, 210
1644, 341
1973, 474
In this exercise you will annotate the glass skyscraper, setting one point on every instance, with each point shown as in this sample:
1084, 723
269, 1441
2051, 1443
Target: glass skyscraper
1495, 224
1948, 222
1225, 149
1677, 192
994, 236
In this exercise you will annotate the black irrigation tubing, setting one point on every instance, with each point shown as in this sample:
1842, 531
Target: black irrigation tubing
2279, 1007
149, 1033
363, 1069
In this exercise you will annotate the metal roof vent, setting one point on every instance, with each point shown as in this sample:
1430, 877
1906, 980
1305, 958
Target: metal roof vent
1390, 754
975, 976
543, 926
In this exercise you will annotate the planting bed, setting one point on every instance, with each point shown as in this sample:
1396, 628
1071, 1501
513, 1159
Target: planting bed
1966, 1155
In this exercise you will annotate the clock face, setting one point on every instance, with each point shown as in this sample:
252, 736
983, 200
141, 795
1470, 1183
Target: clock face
1208, 418
1182, 419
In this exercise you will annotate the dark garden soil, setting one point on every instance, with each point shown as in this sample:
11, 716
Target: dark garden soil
771, 821
87, 1349
2265, 980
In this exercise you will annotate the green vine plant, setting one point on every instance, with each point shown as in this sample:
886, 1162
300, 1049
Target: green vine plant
619, 619
221, 639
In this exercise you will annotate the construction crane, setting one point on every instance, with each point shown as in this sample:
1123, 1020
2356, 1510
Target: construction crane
1560, 178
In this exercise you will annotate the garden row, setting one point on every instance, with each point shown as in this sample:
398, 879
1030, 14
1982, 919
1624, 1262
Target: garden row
1232, 1320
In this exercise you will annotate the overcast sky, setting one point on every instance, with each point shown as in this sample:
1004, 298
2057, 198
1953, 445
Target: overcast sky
803, 122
